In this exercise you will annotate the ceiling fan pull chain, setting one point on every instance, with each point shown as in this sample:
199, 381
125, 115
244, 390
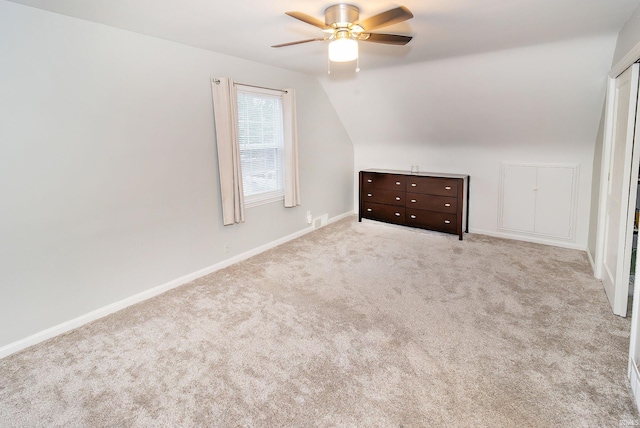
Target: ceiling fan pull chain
358, 65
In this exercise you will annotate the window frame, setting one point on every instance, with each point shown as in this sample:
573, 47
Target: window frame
274, 195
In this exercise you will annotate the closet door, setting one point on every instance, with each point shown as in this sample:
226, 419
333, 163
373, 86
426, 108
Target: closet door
616, 249
554, 200
538, 199
518, 198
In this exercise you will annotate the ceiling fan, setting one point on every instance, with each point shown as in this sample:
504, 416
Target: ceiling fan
344, 28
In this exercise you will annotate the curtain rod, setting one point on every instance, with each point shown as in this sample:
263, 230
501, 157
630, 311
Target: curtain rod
217, 82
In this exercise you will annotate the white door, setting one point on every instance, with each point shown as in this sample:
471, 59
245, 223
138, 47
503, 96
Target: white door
538, 199
615, 276
554, 201
518, 198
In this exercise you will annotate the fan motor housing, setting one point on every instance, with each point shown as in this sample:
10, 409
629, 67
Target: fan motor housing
341, 15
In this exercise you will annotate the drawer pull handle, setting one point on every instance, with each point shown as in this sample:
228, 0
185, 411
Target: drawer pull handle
398, 214
412, 216
447, 187
369, 180
447, 205
447, 221
413, 184
369, 209
369, 194
397, 183
413, 201
397, 198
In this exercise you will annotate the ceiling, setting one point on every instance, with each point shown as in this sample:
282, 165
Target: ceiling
441, 28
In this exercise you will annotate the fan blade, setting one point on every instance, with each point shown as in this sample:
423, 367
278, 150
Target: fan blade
308, 19
299, 41
389, 39
389, 17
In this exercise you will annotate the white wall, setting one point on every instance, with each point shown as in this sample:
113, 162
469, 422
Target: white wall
628, 36
466, 114
595, 189
108, 169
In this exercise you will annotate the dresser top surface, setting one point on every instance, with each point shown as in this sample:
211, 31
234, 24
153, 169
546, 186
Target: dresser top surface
423, 174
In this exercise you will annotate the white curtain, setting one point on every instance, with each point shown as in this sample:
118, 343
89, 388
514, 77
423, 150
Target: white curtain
291, 180
225, 113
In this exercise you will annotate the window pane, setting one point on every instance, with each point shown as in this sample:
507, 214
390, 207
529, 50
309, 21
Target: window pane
260, 133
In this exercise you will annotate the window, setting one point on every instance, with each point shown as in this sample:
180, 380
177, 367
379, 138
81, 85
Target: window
261, 143
263, 122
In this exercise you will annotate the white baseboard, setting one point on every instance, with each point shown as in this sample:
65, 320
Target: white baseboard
634, 379
341, 216
66, 326
533, 239
591, 262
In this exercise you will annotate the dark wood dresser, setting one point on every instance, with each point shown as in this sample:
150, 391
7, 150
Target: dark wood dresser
426, 200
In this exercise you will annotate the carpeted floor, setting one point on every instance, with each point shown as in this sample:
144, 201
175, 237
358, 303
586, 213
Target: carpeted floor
355, 324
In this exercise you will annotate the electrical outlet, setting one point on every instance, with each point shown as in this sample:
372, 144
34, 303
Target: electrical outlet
226, 247
309, 217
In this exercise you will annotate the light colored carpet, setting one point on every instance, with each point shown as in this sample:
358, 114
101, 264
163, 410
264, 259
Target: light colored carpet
355, 324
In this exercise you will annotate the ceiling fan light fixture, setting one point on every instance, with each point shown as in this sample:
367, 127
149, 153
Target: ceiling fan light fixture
344, 30
343, 49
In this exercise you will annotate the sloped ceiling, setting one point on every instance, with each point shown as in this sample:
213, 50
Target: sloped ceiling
544, 97
441, 28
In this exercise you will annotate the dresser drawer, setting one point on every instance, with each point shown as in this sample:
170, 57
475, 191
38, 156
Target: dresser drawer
443, 222
390, 214
372, 180
383, 196
422, 201
433, 186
